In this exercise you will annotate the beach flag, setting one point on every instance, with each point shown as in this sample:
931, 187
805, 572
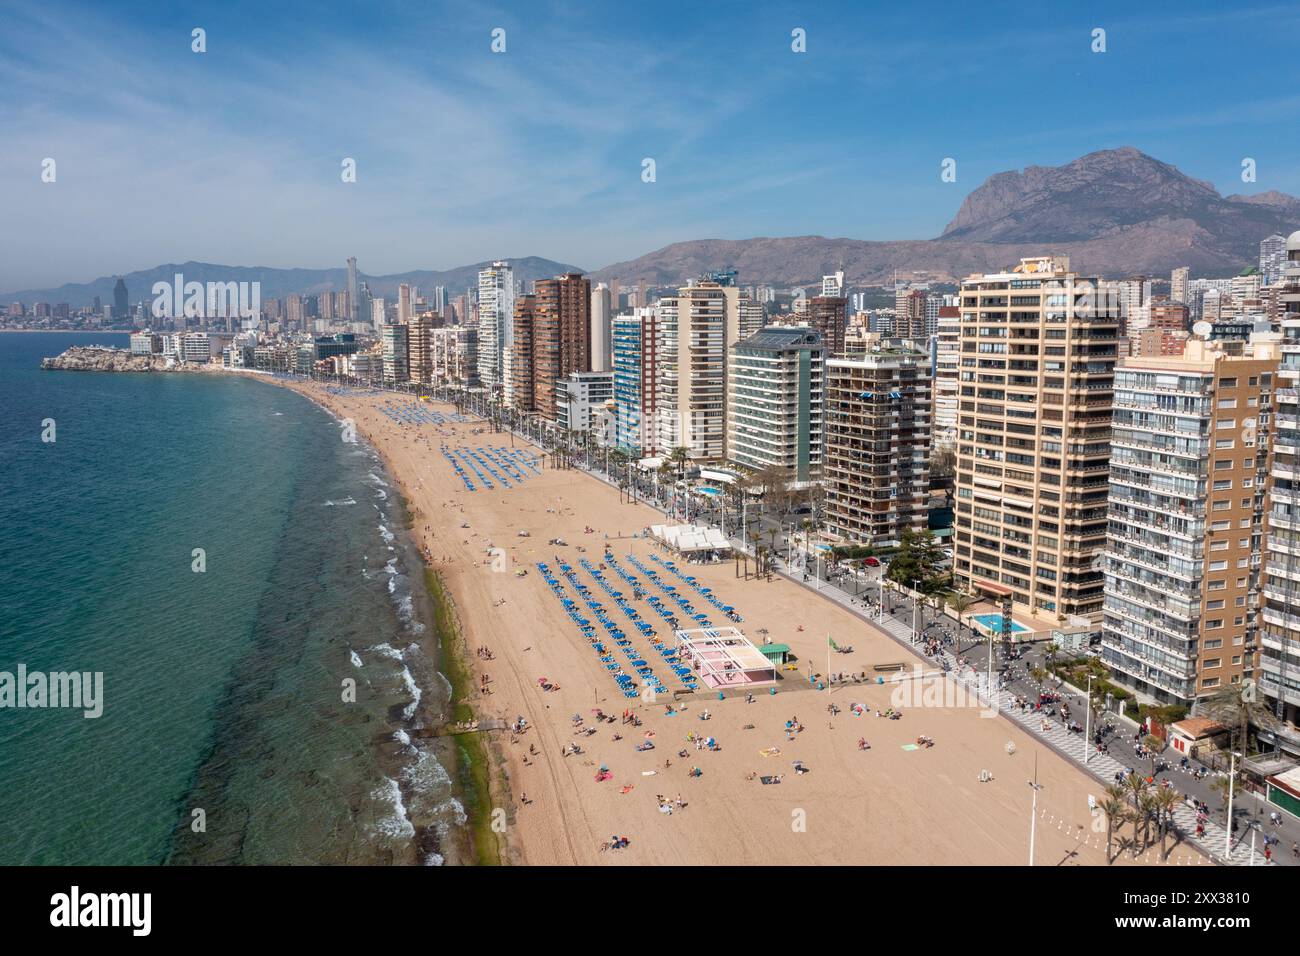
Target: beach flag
834, 646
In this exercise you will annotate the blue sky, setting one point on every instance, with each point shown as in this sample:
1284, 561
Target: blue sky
234, 155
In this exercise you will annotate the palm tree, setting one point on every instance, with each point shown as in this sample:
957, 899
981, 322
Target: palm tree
1153, 745
1221, 785
1147, 808
1238, 707
753, 539
1051, 651
679, 456
1136, 787
1116, 813
960, 602
1167, 800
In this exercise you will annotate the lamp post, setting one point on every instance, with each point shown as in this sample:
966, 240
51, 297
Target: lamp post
1033, 811
1087, 723
915, 607
1232, 778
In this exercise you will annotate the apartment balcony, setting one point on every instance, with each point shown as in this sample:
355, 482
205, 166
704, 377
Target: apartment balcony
1161, 611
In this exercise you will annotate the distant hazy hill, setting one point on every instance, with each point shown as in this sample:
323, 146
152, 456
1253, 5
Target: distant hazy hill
278, 282
1114, 212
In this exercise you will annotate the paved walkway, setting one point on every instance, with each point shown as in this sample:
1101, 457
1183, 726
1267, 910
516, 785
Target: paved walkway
1101, 766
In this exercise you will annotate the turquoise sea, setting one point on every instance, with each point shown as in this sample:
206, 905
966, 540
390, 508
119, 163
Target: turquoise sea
225, 736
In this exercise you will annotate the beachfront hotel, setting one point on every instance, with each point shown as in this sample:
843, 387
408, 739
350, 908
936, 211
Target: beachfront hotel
455, 354
551, 332
1188, 509
774, 402
396, 354
1279, 660
696, 328
1037, 363
496, 309
947, 353
876, 466
636, 378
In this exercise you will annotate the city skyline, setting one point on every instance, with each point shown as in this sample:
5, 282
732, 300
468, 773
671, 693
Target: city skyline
486, 148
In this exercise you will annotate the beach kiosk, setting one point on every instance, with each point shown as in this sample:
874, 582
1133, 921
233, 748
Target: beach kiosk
778, 654
1191, 734
1284, 791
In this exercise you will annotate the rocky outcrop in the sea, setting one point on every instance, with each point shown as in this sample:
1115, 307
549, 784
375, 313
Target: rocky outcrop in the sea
90, 359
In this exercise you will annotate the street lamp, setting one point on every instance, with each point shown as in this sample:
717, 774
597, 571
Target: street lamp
915, 582
1232, 777
1033, 811
1087, 722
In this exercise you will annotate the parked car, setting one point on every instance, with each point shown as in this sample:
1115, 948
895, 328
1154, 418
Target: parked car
872, 562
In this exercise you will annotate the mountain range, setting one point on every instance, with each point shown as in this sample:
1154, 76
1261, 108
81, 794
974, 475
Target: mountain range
280, 282
1115, 212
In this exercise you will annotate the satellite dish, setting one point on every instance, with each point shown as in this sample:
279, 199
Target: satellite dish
1203, 329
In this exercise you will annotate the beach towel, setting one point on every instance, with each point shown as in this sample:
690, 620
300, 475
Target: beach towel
769, 780
911, 747
770, 752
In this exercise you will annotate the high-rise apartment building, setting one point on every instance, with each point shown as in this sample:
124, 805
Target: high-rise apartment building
356, 315
696, 327
420, 349
774, 396
910, 315
523, 390
636, 378
1038, 350
455, 355
1279, 662
496, 308
561, 336
397, 367
1188, 507
404, 304
1178, 285
602, 307
1272, 259
121, 308
828, 314
876, 465
751, 315
947, 351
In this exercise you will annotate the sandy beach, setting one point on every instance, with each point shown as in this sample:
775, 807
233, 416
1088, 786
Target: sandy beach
883, 805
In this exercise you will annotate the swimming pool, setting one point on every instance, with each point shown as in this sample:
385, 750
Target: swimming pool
711, 492
993, 622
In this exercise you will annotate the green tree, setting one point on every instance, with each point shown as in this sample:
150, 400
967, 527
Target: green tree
1154, 745
1167, 800
917, 561
1116, 811
1239, 707
680, 456
1137, 788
